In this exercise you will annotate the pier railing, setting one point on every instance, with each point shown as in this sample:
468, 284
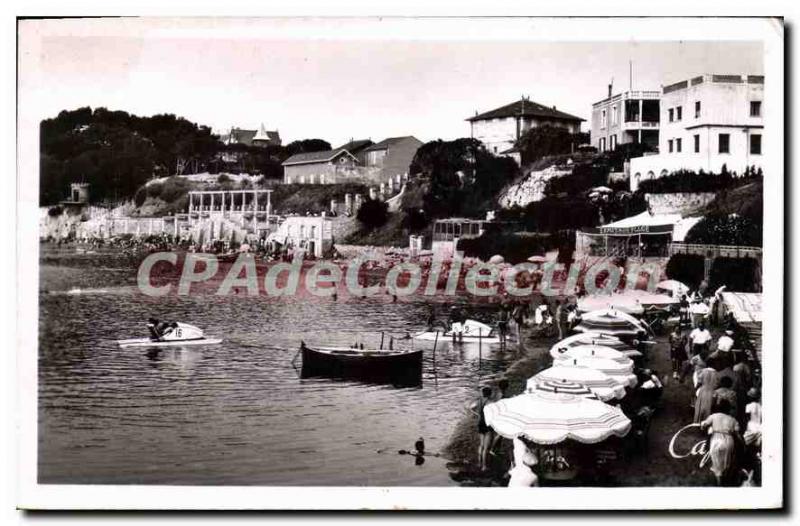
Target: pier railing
728, 251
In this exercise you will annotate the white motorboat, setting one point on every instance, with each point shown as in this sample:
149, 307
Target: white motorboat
471, 332
175, 334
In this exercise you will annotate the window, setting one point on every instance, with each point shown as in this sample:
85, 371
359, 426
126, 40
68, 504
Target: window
613, 142
679, 111
697, 143
602, 144
671, 113
669, 145
755, 144
697, 109
603, 119
724, 143
678, 145
614, 116
755, 108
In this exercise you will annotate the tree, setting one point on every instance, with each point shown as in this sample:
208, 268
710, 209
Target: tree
464, 178
373, 213
307, 146
542, 141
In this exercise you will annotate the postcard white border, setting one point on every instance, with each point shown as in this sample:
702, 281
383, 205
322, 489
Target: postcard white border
34, 495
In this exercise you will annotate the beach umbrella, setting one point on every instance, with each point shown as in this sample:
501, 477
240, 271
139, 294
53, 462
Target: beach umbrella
626, 303
621, 373
592, 351
673, 287
564, 387
547, 418
594, 338
496, 259
537, 259
611, 321
602, 385
602, 189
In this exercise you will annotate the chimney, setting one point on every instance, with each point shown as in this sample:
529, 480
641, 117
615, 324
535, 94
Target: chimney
609, 90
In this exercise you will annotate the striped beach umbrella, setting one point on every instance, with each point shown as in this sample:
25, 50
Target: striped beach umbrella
547, 418
611, 321
565, 387
603, 386
622, 373
592, 351
594, 338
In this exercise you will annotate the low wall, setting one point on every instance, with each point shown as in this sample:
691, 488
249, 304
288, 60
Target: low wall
678, 203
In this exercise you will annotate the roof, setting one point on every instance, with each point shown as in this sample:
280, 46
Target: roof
355, 145
526, 108
680, 225
269, 136
315, 157
388, 142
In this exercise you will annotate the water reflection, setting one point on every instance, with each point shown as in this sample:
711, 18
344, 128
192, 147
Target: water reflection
235, 413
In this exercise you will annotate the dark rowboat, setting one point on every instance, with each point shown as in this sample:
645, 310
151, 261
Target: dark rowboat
400, 368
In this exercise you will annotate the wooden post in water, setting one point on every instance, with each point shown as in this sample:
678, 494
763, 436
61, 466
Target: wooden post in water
435, 341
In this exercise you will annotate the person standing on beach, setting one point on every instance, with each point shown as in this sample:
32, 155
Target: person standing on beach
485, 432
502, 392
677, 352
561, 319
700, 338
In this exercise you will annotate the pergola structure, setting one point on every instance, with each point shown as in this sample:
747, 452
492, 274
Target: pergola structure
229, 202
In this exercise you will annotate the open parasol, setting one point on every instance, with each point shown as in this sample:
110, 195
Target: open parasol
618, 372
603, 386
594, 338
591, 351
547, 418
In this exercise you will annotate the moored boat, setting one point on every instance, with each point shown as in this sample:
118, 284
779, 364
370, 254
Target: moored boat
398, 367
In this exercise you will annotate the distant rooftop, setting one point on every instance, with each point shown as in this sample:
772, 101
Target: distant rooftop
525, 108
315, 157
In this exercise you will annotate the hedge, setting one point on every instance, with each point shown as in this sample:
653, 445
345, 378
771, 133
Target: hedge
686, 268
690, 181
727, 229
737, 274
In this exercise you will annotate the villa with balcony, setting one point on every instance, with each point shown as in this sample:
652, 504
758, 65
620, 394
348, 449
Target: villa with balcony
628, 117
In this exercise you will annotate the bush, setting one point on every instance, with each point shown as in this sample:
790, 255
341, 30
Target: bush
737, 274
689, 181
515, 248
154, 190
174, 188
55, 211
542, 141
686, 268
724, 229
140, 197
223, 178
373, 213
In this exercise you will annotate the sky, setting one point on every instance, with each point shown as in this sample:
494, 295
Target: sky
318, 85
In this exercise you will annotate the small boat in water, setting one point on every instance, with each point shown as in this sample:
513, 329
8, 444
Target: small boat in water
175, 334
397, 367
472, 332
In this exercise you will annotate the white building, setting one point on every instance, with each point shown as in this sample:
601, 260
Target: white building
314, 234
500, 128
707, 122
628, 117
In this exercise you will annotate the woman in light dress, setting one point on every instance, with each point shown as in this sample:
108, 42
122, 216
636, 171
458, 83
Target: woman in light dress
752, 435
724, 431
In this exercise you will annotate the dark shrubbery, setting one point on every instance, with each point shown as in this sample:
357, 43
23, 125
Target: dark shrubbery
223, 178
737, 274
727, 229
154, 190
174, 188
55, 211
689, 181
140, 197
686, 268
515, 248
583, 177
373, 213
543, 141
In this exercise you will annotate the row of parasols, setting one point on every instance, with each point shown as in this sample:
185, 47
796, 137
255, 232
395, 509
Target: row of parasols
572, 399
